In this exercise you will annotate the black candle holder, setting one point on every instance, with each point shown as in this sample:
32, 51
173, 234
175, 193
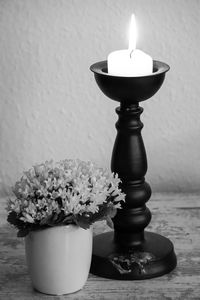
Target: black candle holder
129, 252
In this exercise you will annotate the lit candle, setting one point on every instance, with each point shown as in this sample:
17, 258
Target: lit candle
131, 61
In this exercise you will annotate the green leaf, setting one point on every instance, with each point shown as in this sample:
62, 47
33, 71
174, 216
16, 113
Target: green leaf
83, 221
13, 218
23, 232
109, 222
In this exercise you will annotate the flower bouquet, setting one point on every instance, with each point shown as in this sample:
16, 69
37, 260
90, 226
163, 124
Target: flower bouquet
54, 208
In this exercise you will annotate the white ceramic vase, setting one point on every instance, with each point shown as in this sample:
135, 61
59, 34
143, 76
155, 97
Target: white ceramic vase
59, 258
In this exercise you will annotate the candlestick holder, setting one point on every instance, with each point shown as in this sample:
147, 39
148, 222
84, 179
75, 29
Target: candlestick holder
129, 252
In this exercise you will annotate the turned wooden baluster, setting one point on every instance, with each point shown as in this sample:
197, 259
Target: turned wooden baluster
130, 162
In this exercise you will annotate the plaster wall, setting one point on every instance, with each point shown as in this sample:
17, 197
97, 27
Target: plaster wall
50, 106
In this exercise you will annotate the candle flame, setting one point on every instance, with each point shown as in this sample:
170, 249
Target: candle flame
132, 35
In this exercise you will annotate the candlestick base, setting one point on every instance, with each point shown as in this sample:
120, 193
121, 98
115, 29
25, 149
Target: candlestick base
152, 258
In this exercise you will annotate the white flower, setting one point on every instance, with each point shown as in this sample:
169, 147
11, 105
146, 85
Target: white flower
69, 186
27, 218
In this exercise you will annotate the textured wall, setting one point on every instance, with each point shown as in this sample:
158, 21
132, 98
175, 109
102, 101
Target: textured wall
50, 106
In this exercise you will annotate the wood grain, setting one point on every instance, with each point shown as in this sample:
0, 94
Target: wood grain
176, 216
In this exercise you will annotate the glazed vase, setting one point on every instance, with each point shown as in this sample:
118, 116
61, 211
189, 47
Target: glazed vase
59, 258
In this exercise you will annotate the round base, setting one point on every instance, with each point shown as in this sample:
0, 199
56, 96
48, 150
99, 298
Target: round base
154, 257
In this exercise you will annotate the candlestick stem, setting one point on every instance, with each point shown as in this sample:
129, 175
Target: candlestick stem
130, 163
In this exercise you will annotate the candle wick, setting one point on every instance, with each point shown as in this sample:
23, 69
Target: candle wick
131, 52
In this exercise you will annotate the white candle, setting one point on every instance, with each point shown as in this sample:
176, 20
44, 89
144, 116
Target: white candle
131, 61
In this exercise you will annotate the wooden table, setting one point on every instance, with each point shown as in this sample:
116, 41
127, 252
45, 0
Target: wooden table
176, 216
